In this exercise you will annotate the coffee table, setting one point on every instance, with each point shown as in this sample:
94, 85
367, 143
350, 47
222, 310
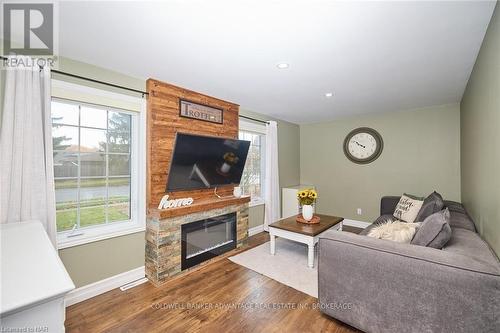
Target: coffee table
307, 234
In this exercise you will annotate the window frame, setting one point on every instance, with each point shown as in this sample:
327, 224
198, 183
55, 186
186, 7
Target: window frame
137, 220
260, 129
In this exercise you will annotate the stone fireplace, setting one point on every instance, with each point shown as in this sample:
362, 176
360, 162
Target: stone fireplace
164, 245
224, 228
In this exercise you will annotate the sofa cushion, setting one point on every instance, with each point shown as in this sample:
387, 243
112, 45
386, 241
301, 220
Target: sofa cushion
432, 204
458, 216
407, 208
435, 231
469, 243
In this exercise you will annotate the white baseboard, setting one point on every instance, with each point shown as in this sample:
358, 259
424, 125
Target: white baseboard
91, 290
255, 230
354, 223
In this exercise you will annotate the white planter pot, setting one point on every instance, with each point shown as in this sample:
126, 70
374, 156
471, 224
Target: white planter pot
225, 168
307, 212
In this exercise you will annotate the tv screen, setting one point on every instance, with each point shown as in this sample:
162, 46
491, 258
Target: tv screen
205, 162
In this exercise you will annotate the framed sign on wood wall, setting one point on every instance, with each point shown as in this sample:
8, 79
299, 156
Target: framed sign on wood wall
198, 111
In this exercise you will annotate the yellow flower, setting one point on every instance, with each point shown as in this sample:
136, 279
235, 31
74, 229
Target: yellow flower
313, 195
303, 194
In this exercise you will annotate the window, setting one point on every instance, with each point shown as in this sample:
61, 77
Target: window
96, 170
252, 181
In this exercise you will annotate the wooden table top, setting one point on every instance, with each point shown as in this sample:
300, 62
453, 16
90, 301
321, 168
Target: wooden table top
290, 224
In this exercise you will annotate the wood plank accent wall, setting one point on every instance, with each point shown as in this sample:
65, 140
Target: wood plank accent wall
164, 122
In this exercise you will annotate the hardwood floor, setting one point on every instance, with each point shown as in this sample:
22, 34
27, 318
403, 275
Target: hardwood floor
220, 297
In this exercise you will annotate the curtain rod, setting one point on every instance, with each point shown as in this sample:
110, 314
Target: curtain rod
124, 88
94, 81
100, 82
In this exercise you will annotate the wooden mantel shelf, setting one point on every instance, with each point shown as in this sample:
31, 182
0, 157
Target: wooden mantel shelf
197, 206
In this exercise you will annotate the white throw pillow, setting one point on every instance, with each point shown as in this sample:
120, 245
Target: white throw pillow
407, 209
400, 232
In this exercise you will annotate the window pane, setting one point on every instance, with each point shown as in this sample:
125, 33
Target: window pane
247, 136
66, 204
92, 215
118, 142
92, 140
64, 138
93, 188
92, 165
256, 139
95, 145
64, 113
119, 199
119, 122
93, 117
119, 165
251, 180
93, 193
65, 164
257, 191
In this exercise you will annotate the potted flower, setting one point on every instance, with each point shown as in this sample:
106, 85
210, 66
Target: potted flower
306, 200
230, 159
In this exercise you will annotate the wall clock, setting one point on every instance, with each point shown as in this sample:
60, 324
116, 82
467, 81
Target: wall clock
363, 145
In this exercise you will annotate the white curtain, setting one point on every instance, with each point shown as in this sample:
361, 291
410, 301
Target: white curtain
26, 171
271, 186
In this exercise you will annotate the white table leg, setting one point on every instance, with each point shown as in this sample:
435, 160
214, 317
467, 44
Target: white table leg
273, 243
310, 255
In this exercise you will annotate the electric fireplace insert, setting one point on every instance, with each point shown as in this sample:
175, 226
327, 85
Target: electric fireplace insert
206, 239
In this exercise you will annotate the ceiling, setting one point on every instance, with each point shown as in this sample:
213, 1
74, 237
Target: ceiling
373, 56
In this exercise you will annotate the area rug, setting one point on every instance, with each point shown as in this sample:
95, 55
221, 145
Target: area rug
287, 266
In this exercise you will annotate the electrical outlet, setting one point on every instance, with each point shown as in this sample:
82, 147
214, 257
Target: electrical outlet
359, 211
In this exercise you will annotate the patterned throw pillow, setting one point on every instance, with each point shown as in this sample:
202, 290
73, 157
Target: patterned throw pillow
407, 208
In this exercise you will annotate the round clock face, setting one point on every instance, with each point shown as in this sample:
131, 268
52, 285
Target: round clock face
363, 145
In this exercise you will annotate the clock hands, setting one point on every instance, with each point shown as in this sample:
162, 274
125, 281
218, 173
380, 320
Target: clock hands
359, 144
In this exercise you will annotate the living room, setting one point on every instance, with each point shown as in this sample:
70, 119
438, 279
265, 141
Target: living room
250, 166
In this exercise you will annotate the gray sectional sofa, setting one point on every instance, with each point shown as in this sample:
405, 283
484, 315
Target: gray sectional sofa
383, 286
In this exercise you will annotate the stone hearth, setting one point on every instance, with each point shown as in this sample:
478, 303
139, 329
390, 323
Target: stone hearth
163, 240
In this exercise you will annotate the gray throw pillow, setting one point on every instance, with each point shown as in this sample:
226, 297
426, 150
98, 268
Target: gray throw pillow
432, 204
435, 231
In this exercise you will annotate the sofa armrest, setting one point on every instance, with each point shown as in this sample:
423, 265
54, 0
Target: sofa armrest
384, 286
388, 204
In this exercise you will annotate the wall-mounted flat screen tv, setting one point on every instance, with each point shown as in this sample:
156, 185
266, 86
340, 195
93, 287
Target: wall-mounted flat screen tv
206, 162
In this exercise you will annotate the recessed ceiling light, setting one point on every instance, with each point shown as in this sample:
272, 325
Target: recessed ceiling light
328, 94
283, 65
